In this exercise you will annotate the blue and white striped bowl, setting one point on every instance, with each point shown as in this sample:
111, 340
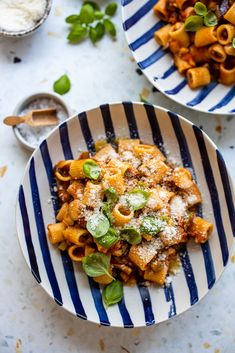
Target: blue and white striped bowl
37, 206
140, 23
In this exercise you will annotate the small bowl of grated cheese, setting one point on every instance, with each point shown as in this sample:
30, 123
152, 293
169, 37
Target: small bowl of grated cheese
30, 136
21, 18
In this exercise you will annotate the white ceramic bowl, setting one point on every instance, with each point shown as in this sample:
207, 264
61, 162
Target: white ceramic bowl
22, 105
23, 33
63, 280
140, 23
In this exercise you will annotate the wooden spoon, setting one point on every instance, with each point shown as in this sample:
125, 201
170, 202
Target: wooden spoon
39, 117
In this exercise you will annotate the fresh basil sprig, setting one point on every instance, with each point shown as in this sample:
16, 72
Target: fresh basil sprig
112, 293
96, 264
203, 17
111, 194
91, 22
62, 85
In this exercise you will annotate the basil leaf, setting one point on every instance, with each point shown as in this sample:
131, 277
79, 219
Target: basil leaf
77, 33
210, 19
72, 19
62, 85
91, 169
98, 225
99, 15
233, 43
200, 9
96, 264
93, 35
110, 238
107, 211
87, 14
151, 225
93, 4
111, 9
111, 194
100, 30
137, 199
112, 293
131, 235
193, 23
109, 27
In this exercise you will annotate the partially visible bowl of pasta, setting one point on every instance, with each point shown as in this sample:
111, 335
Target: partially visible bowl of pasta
126, 206
186, 49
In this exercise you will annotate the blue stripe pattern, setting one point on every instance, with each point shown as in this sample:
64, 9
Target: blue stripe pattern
187, 162
42, 234
225, 100
169, 294
168, 72
155, 129
97, 297
139, 14
130, 117
227, 189
67, 262
86, 132
213, 193
126, 2
203, 93
146, 37
147, 305
177, 89
127, 322
28, 236
108, 124
158, 54
64, 137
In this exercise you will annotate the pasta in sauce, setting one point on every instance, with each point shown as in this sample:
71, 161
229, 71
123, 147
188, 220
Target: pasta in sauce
127, 202
202, 54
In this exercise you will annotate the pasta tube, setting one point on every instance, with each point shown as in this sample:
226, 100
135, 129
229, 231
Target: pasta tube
76, 252
122, 214
160, 10
217, 53
75, 235
225, 33
205, 36
162, 35
200, 229
230, 15
178, 33
227, 73
55, 232
198, 77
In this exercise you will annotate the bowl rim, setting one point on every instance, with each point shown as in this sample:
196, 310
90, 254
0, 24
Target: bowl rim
158, 86
24, 101
141, 325
22, 33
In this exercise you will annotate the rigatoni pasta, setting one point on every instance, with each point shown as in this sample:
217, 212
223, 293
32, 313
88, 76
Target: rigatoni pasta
128, 210
201, 36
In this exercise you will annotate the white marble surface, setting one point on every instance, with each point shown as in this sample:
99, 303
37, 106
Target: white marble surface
30, 322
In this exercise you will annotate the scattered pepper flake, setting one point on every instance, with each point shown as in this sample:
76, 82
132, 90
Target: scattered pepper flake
3, 170
206, 345
218, 129
139, 71
102, 345
17, 60
131, 59
217, 350
154, 89
233, 259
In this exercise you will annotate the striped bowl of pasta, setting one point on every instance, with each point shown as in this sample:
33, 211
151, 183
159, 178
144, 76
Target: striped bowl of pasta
180, 157
186, 49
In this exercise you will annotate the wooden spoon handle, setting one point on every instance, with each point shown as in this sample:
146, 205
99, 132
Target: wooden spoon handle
13, 120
